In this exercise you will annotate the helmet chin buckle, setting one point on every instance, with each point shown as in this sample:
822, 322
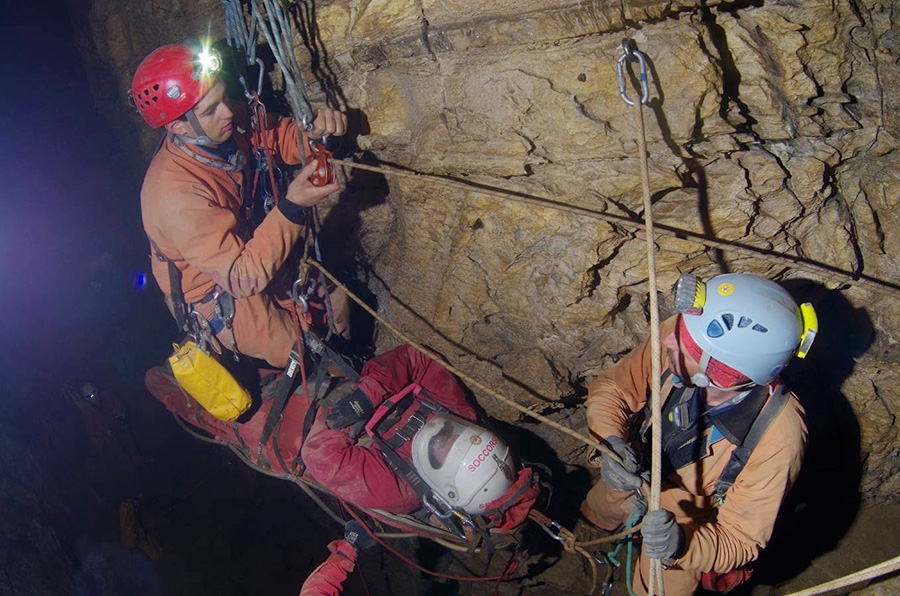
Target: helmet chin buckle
700, 380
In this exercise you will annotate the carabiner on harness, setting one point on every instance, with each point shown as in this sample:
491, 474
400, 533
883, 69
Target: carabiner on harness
630, 54
200, 330
300, 292
223, 305
452, 518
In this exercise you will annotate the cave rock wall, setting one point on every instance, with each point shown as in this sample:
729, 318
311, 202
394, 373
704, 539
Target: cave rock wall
768, 125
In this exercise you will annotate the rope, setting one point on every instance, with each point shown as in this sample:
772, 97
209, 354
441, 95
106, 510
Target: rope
567, 539
278, 33
570, 543
826, 272
864, 575
656, 577
237, 34
469, 380
413, 564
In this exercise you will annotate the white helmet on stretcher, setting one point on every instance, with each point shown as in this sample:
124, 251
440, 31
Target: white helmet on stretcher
469, 466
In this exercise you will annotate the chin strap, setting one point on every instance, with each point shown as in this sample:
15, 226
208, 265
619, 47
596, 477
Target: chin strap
202, 138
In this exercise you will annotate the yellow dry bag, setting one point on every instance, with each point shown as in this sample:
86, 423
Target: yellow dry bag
208, 382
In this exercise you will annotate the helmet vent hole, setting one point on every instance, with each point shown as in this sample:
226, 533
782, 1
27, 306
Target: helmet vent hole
744, 322
156, 87
714, 329
728, 319
760, 328
155, 99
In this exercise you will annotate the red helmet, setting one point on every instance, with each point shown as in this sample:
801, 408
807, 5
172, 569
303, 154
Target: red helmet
170, 81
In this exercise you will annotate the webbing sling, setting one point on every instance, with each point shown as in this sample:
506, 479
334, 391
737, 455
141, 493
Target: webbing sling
179, 306
285, 387
287, 382
741, 455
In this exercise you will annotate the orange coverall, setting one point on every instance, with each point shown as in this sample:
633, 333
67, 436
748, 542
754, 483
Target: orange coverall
192, 213
716, 539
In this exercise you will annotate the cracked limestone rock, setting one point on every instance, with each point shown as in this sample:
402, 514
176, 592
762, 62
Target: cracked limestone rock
771, 125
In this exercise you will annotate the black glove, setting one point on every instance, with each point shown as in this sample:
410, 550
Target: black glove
622, 477
357, 535
350, 409
663, 538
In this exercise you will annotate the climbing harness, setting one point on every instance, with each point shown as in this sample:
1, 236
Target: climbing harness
687, 429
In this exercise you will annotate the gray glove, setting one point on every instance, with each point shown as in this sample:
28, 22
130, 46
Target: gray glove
663, 538
622, 477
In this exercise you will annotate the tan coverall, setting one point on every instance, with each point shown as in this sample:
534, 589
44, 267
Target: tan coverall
192, 213
715, 539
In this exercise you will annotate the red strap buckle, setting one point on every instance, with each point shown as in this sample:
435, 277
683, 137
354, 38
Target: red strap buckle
324, 173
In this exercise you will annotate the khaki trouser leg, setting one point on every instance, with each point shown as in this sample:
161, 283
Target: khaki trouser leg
262, 330
678, 582
340, 306
609, 507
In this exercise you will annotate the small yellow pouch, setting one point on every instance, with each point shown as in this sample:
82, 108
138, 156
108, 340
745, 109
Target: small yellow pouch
208, 382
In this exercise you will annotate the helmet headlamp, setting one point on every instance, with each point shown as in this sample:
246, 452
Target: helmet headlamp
690, 294
208, 62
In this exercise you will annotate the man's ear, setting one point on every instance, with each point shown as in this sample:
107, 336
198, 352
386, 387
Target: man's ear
179, 127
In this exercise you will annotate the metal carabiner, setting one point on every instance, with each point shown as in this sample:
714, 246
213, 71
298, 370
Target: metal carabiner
298, 297
259, 81
202, 329
629, 54
262, 72
433, 504
607, 588
556, 527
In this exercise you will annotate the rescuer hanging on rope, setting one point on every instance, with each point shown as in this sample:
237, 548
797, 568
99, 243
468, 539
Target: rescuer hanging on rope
733, 435
196, 204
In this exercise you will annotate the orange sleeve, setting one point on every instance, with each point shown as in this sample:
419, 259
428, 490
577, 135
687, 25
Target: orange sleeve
206, 236
281, 137
622, 391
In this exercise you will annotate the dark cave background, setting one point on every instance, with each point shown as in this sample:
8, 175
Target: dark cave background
77, 307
